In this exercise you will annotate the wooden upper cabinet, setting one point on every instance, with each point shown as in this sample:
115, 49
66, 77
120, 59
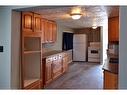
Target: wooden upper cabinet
49, 32
113, 29
31, 24
37, 22
27, 21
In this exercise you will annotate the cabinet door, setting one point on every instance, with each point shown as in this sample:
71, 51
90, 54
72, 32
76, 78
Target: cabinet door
37, 23
48, 71
57, 67
54, 30
43, 30
50, 33
113, 29
27, 21
46, 31
110, 80
65, 64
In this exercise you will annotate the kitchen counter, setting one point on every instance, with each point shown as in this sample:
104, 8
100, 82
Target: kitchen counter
50, 53
111, 67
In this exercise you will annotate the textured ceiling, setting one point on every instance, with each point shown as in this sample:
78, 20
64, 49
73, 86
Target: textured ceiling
91, 14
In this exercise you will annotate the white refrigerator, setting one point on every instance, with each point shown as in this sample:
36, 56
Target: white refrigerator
79, 47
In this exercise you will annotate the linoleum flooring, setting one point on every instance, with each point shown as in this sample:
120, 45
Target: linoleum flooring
80, 75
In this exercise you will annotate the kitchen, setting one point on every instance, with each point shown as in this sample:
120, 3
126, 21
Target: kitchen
33, 50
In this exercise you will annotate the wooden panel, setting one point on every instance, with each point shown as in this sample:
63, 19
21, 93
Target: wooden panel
113, 29
27, 21
35, 85
110, 80
56, 67
48, 75
65, 64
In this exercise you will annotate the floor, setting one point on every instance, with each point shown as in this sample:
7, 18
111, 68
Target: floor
80, 75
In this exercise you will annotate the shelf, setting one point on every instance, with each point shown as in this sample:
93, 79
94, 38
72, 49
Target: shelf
27, 52
29, 81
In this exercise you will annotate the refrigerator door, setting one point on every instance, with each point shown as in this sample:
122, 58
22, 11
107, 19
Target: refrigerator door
79, 38
79, 52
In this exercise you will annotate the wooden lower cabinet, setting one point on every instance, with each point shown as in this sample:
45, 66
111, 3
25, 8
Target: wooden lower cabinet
54, 66
57, 66
110, 80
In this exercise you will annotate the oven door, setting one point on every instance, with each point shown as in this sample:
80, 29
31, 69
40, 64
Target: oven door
93, 52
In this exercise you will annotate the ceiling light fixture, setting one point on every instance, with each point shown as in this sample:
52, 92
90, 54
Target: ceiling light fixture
76, 16
94, 27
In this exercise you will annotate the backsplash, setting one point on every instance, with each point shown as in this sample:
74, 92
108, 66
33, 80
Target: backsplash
47, 47
113, 48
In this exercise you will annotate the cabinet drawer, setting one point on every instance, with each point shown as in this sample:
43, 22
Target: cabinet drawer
49, 59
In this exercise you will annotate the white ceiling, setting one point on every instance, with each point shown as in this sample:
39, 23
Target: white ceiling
91, 14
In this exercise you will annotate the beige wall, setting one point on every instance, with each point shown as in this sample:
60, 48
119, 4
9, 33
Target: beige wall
5, 41
15, 50
58, 44
9, 38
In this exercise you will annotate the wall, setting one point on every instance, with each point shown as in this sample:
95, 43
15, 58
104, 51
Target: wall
93, 35
123, 49
58, 44
9, 37
5, 40
104, 33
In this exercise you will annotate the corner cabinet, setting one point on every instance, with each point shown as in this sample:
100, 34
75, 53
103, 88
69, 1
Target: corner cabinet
31, 76
113, 29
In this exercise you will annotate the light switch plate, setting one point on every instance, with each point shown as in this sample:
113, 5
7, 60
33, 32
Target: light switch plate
1, 48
